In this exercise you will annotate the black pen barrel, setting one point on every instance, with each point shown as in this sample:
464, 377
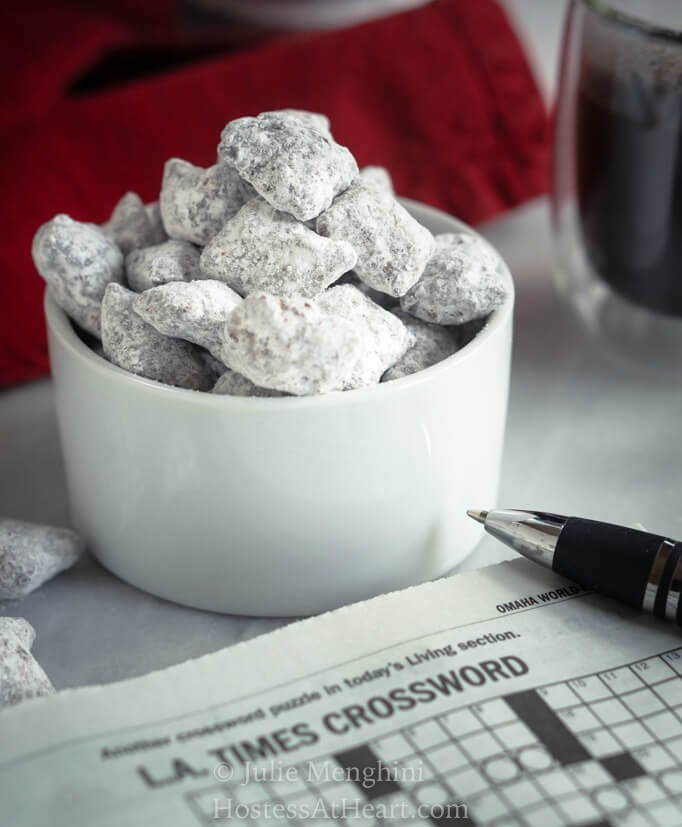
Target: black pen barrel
641, 569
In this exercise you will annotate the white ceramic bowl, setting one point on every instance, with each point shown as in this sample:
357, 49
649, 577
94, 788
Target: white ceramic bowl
284, 506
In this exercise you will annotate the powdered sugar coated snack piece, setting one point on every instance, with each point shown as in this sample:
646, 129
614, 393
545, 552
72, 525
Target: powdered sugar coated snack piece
195, 202
30, 554
77, 260
392, 247
20, 628
130, 225
378, 177
21, 676
314, 119
195, 311
136, 346
382, 299
294, 166
432, 344
386, 339
461, 282
169, 261
234, 384
153, 210
264, 249
290, 344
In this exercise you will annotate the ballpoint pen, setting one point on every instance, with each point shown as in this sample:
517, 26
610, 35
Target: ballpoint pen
641, 569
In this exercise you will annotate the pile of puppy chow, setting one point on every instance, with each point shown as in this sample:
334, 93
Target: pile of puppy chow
30, 555
282, 269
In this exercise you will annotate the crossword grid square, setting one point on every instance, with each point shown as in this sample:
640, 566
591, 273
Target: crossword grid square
488, 806
629, 819
467, 782
612, 711
611, 799
653, 670
643, 702
622, 680
480, 746
544, 816
432, 793
523, 793
590, 774
515, 736
415, 770
289, 788
600, 743
577, 809
570, 753
460, 722
644, 790
579, 719
448, 757
632, 735
674, 660
664, 725
670, 691
557, 782
494, 712
426, 735
590, 689
654, 758
672, 780
666, 814
558, 696
393, 747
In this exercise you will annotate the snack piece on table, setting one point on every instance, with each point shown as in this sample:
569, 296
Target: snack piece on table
294, 166
460, 283
169, 261
392, 247
194, 311
78, 261
386, 337
154, 214
232, 383
130, 225
20, 628
291, 345
30, 554
136, 346
264, 249
377, 177
196, 202
21, 676
432, 344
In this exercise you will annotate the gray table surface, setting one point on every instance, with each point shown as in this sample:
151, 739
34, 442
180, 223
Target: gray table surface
585, 435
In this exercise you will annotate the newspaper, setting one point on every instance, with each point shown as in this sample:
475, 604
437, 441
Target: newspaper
503, 696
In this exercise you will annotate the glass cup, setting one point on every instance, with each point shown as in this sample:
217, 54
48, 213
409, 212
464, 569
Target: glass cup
617, 183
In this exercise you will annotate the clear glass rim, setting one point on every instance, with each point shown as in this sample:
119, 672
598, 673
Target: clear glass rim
606, 11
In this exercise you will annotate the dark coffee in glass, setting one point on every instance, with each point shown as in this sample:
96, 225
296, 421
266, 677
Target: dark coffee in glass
629, 164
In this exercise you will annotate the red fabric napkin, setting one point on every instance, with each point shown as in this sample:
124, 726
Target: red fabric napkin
441, 95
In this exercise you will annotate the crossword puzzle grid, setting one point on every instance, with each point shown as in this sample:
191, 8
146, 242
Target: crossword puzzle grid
599, 750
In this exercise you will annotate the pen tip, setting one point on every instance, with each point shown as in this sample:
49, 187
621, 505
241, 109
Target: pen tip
479, 516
